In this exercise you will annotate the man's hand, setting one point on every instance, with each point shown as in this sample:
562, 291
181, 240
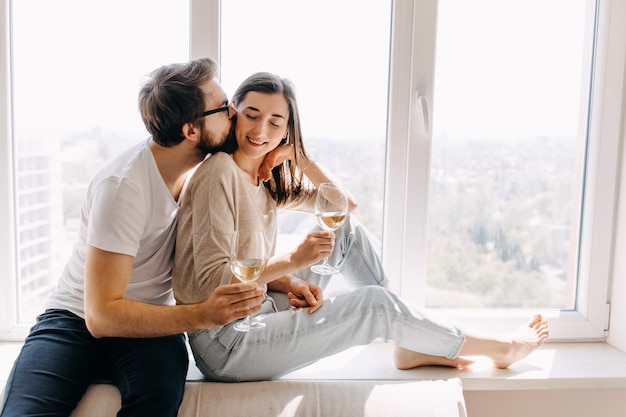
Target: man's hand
303, 294
279, 155
231, 302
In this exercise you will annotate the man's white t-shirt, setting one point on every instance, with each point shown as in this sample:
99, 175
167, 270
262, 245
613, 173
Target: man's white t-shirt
129, 210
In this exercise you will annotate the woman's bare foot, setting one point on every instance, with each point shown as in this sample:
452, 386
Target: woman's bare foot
407, 359
523, 342
503, 349
507, 348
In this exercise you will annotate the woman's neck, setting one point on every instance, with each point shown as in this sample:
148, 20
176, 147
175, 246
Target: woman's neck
250, 168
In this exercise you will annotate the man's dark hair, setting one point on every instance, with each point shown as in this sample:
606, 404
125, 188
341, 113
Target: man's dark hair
172, 97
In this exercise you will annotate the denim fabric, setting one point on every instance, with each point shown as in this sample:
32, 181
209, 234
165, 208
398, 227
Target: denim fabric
60, 359
356, 255
294, 339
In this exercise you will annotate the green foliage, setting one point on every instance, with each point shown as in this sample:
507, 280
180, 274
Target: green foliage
499, 221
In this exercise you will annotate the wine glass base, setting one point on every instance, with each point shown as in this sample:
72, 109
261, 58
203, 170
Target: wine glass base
324, 269
251, 326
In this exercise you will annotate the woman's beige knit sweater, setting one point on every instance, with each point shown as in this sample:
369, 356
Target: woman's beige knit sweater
217, 201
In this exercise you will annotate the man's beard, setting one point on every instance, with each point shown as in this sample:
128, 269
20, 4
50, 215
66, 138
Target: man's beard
208, 144
228, 144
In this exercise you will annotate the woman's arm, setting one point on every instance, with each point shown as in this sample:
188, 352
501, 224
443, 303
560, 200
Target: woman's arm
302, 294
315, 172
318, 174
315, 247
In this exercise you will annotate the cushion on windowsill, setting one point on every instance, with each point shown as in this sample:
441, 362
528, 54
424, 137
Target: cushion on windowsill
301, 398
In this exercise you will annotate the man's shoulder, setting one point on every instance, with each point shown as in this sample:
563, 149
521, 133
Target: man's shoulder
130, 169
130, 159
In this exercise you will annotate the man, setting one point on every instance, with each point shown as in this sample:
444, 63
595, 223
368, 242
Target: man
112, 314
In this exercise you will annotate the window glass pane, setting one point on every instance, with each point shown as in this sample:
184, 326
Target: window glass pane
511, 92
77, 68
337, 55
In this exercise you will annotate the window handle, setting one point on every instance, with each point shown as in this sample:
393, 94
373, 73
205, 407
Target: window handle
421, 105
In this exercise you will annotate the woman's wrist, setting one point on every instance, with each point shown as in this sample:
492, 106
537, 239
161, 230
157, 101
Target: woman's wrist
281, 284
309, 162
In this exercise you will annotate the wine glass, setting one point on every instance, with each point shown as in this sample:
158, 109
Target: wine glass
247, 262
331, 209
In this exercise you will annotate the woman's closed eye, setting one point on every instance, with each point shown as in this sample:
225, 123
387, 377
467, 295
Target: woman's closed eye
271, 123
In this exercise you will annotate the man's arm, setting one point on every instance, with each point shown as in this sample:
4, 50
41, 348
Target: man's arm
109, 314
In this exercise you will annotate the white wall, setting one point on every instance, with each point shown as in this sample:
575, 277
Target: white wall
617, 329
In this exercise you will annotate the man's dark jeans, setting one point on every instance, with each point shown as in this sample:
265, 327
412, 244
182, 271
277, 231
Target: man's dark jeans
60, 358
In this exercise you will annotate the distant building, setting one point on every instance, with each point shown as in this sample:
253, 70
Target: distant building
39, 224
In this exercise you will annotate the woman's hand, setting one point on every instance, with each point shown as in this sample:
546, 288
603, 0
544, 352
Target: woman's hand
303, 294
315, 247
276, 157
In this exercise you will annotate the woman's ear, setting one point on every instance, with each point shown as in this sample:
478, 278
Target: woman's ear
285, 140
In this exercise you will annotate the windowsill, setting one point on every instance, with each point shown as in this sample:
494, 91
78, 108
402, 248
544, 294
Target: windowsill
554, 366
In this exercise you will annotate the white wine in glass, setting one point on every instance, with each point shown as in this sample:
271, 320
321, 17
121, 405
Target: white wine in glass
247, 262
330, 221
331, 209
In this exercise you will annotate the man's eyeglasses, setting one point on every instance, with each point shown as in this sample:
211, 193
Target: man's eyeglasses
218, 110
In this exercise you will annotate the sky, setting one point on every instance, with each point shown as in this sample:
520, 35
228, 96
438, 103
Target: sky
79, 64
515, 69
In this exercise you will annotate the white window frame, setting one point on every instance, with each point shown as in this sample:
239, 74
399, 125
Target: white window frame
408, 150
8, 314
408, 162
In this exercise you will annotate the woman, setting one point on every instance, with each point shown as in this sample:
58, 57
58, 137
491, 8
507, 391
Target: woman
234, 190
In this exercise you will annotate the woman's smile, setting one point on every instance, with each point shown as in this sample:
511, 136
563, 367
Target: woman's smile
261, 121
256, 142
